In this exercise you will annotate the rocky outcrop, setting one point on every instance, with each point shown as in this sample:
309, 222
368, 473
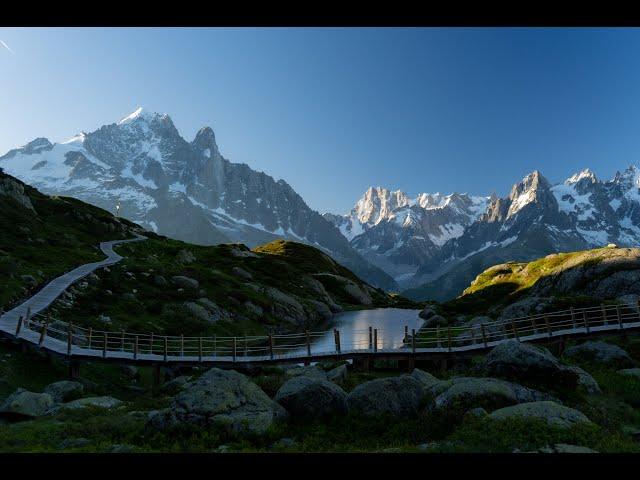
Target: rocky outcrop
585, 382
601, 353
553, 413
64, 390
15, 190
220, 399
25, 404
305, 397
338, 375
396, 396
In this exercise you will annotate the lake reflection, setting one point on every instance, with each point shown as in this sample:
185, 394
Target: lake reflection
354, 329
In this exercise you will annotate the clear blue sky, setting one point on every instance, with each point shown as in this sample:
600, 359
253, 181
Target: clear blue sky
333, 111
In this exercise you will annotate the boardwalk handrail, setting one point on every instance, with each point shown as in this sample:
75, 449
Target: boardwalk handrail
85, 341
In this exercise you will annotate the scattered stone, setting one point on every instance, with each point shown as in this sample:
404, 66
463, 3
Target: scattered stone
100, 402
129, 297
29, 280
586, 382
630, 372
601, 353
130, 372
338, 375
159, 280
64, 390
397, 396
241, 273
198, 311
73, 443
216, 313
105, 319
425, 378
23, 403
185, 282
435, 321
566, 448
553, 413
185, 257
237, 252
174, 386
311, 371
306, 397
122, 448
220, 399
427, 312
283, 443
223, 449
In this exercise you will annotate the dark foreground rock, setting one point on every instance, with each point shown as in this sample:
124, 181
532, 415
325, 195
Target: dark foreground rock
553, 413
220, 399
397, 396
305, 397
25, 404
601, 353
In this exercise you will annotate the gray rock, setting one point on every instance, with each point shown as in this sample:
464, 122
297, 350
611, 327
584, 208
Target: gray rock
586, 382
355, 292
477, 412
427, 312
220, 399
630, 300
241, 273
64, 390
465, 393
524, 362
174, 386
630, 372
397, 396
524, 307
23, 403
311, 371
216, 313
105, 319
286, 306
73, 443
159, 280
100, 402
601, 353
305, 397
122, 448
425, 378
566, 448
15, 190
320, 310
553, 413
338, 375
29, 280
185, 257
198, 311
130, 371
254, 309
284, 443
185, 282
435, 321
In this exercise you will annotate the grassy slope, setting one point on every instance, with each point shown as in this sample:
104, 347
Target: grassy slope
160, 308
62, 234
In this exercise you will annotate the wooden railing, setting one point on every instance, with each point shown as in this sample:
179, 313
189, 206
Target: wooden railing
135, 346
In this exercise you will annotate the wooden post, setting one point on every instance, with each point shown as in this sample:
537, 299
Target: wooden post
215, 345
270, 346
406, 334
546, 322
484, 336
413, 340
573, 318
375, 339
473, 335
122, 334
308, 343
604, 314
338, 341
166, 346
335, 339
181, 345
69, 338
619, 316
19, 326
104, 345
246, 347
235, 347
27, 317
449, 337
151, 344
534, 324
370, 338
89, 337
438, 336
515, 330
135, 348
43, 333
586, 322
200, 349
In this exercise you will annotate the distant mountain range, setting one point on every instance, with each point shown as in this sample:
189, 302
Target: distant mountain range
435, 245
186, 190
431, 246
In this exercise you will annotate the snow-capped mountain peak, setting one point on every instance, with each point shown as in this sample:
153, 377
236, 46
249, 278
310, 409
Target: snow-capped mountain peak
584, 174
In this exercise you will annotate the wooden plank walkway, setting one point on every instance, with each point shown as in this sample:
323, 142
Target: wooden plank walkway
79, 343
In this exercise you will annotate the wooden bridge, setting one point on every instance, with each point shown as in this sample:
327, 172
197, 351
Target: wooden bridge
28, 325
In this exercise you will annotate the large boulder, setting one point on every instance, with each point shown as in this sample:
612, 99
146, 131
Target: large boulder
586, 382
397, 396
338, 375
553, 413
630, 372
87, 402
524, 362
25, 404
427, 312
425, 378
464, 393
222, 399
64, 390
185, 282
526, 306
306, 397
185, 257
435, 321
241, 273
601, 353
311, 371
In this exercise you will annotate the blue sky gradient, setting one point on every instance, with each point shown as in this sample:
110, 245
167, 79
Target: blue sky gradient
335, 110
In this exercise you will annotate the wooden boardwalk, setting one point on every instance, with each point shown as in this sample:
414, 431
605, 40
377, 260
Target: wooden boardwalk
26, 324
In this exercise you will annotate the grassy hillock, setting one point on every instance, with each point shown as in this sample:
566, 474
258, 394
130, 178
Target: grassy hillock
42, 237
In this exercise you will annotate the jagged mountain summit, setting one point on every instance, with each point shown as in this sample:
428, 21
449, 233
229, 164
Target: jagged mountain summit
435, 245
185, 190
